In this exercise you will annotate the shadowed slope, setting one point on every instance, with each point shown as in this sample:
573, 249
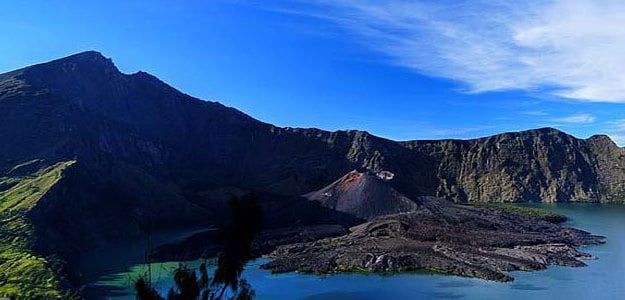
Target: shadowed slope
146, 153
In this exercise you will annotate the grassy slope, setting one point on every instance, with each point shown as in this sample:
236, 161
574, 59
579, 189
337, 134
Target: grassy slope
525, 211
22, 272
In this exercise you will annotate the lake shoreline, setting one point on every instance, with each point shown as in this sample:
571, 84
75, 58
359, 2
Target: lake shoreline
422, 284
486, 243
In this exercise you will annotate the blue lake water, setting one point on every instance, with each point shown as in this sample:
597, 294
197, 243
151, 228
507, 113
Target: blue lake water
604, 278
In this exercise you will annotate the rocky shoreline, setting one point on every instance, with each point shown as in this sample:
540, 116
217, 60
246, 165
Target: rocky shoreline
441, 237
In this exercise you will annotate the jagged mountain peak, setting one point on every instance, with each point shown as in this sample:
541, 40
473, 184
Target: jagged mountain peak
86, 56
602, 139
140, 145
83, 63
82, 105
550, 130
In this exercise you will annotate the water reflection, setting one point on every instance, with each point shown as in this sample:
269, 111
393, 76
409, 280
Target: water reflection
602, 279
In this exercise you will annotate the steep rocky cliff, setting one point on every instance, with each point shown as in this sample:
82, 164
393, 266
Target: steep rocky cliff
83, 107
141, 150
155, 150
536, 165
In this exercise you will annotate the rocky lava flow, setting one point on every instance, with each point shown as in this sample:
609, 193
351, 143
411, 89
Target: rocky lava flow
93, 156
442, 237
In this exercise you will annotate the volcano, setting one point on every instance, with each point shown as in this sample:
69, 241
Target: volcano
363, 194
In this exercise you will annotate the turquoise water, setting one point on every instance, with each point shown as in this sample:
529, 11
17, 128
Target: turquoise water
604, 278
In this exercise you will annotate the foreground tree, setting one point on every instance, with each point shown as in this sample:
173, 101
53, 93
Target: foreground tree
237, 240
236, 237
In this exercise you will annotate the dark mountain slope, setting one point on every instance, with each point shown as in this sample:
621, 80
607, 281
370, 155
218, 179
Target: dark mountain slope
82, 106
160, 152
135, 133
90, 154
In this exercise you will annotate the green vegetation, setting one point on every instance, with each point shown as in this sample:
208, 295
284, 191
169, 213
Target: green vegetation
524, 211
26, 191
24, 273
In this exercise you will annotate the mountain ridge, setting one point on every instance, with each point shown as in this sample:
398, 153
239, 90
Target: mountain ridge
142, 150
143, 120
90, 56
82, 107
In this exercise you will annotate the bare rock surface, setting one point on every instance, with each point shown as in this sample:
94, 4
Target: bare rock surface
441, 237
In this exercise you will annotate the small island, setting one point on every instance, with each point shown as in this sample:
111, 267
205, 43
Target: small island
482, 242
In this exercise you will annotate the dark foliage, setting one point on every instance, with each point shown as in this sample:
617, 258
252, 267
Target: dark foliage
236, 236
245, 291
237, 240
187, 285
145, 291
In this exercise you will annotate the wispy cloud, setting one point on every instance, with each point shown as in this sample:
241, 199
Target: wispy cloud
616, 131
458, 132
568, 48
575, 119
535, 113
619, 139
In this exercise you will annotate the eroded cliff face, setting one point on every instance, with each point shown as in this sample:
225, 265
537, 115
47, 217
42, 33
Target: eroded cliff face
142, 148
132, 134
537, 165
541, 165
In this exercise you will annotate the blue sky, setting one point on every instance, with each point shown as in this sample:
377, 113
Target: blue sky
398, 69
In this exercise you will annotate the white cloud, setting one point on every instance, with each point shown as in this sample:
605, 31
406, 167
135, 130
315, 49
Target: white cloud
576, 119
568, 48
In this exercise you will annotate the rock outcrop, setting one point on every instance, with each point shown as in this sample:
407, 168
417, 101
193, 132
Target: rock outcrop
537, 165
142, 150
441, 237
